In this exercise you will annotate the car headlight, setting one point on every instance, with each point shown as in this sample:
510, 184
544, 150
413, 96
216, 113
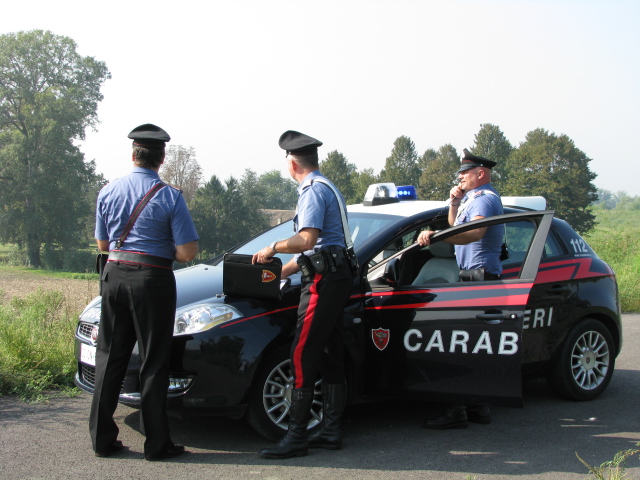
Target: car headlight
91, 312
198, 318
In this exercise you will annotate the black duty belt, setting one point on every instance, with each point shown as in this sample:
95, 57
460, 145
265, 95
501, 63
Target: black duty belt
140, 259
477, 275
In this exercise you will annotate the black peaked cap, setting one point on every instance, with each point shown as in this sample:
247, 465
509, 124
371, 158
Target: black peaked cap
469, 160
149, 136
298, 143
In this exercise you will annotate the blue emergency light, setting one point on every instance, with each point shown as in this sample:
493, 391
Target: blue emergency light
407, 192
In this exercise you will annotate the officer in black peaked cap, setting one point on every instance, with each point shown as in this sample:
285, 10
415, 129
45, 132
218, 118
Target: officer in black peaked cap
139, 293
319, 245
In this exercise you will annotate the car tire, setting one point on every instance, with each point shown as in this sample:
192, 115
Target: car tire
270, 397
584, 364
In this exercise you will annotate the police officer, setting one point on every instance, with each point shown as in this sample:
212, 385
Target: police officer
477, 252
139, 294
327, 280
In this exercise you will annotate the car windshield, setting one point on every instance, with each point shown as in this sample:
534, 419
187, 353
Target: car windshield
362, 226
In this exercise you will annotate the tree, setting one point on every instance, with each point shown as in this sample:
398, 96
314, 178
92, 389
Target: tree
438, 173
269, 190
49, 95
336, 168
223, 217
182, 170
551, 166
491, 143
361, 181
401, 167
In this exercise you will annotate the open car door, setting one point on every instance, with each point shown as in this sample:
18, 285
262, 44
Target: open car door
446, 340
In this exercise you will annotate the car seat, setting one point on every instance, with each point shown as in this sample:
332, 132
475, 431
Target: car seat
442, 268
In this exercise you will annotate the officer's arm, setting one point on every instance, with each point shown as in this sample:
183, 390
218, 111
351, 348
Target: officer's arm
103, 245
186, 252
470, 236
289, 268
302, 241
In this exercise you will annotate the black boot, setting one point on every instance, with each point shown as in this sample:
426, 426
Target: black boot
294, 443
455, 416
479, 413
330, 434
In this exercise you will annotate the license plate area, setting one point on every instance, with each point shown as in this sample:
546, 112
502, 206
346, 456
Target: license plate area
88, 354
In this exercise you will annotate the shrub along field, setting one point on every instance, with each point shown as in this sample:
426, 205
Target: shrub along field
39, 309
616, 239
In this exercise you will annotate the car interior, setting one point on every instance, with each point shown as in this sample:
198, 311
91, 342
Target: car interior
409, 264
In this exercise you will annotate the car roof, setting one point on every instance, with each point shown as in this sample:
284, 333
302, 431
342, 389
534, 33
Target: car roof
412, 207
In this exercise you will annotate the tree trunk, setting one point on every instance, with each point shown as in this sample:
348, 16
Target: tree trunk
33, 250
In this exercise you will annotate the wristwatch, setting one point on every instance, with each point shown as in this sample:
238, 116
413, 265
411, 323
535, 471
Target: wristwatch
273, 247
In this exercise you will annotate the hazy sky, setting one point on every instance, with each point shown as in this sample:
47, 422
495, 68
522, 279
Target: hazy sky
228, 77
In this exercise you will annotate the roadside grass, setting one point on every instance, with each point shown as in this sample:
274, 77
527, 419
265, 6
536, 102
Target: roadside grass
618, 244
613, 469
36, 345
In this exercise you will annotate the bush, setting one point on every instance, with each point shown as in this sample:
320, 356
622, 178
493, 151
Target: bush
36, 344
77, 260
17, 257
621, 250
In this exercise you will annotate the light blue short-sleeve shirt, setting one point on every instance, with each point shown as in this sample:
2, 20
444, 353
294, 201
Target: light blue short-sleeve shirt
318, 208
483, 201
164, 222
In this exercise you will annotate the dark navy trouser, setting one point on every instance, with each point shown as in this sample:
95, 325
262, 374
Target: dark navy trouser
317, 345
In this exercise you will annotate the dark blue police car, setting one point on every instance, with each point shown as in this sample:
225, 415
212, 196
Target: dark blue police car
410, 328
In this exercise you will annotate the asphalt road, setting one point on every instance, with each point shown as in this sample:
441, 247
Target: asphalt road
383, 440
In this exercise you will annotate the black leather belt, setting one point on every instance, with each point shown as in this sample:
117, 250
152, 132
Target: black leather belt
140, 259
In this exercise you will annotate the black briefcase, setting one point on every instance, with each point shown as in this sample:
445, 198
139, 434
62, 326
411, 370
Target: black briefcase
242, 278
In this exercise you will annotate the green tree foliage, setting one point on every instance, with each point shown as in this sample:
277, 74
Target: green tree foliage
438, 173
269, 190
336, 168
401, 167
49, 95
550, 165
491, 143
224, 217
361, 181
619, 200
182, 170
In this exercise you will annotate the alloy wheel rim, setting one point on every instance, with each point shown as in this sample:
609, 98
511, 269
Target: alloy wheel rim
590, 360
276, 396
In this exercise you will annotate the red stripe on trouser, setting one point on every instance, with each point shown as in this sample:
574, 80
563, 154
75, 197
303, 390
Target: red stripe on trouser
304, 334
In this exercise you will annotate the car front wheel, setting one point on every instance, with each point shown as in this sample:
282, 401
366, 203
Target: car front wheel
270, 401
584, 364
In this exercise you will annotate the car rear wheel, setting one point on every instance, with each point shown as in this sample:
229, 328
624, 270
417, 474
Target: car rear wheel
584, 364
270, 401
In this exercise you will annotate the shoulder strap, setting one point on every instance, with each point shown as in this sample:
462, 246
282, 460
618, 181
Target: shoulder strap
134, 216
472, 198
343, 214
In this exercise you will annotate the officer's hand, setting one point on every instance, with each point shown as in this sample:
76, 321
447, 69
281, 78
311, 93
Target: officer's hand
263, 256
425, 237
456, 194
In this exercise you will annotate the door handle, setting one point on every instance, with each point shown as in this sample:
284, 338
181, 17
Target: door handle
497, 317
558, 289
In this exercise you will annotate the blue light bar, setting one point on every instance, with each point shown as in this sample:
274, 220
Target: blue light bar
407, 192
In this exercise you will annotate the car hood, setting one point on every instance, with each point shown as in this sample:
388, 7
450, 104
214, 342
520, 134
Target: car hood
198, 284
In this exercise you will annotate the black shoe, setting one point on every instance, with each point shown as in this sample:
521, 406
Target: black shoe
173, 451
113, 448
479, 414
455, 416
